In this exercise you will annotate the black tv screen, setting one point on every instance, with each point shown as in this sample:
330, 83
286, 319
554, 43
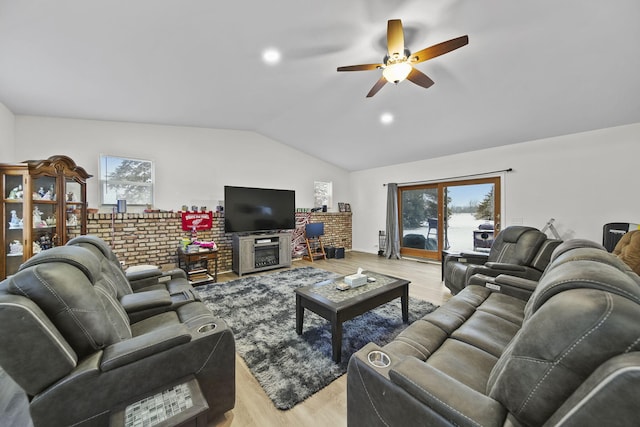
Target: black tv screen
248, 209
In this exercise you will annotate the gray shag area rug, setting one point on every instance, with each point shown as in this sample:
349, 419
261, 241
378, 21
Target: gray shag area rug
290, 367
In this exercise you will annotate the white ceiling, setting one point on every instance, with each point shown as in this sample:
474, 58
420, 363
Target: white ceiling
532, 69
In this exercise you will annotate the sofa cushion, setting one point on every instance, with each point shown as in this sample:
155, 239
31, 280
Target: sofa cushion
465, 337
426, 335
419, 341
558, 347
68, 298
543, 257
504, 307
516, 245
596, 272
487, 332
33, 350
112, 277
571, 244
464, 362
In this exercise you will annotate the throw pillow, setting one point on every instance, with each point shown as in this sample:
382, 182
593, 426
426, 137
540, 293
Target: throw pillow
628, 250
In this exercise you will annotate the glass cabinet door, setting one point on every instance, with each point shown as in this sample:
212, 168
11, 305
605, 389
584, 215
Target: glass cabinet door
75, 208
13, 222
44, 213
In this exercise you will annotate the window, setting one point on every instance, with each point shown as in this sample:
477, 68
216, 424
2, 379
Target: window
323, 193
126, 179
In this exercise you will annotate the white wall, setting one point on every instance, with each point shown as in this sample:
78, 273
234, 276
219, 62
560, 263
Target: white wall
192, 165
582, 180
7, 135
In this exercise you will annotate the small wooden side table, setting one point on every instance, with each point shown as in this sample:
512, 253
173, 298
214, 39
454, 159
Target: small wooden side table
196, 265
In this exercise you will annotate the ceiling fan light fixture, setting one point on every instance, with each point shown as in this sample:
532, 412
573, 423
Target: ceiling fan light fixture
395, 73
398, 63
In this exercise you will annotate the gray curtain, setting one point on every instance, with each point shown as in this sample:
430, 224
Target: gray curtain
392, 244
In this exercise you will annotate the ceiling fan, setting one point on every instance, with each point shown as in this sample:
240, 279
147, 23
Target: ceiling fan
398, 62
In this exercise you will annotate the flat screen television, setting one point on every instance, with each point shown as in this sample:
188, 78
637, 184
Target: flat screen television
255, 210
314, 229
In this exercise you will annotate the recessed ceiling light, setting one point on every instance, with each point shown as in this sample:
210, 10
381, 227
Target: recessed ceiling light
386, 118
271, 56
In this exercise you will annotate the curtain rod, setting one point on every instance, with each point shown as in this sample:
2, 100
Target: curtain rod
453, 177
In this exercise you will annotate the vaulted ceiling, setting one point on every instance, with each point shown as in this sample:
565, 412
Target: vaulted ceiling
532, 69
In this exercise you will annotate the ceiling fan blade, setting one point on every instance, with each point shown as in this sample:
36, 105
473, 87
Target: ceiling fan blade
438, 49
364, 67
376, 87
395, 37
420, 78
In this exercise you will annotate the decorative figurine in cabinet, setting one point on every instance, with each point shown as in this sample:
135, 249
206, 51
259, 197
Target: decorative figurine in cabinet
43, 205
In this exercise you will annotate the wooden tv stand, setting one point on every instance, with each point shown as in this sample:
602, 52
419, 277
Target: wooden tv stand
259, 252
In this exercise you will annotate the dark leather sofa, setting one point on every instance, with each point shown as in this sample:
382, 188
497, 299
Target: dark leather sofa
517, 251
143, 293
567, 356
148, 279
69, 342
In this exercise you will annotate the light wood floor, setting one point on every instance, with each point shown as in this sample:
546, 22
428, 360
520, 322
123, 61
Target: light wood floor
328, 407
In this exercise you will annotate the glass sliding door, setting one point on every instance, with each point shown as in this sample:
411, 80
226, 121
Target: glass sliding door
454, 215
472, 215
419, 217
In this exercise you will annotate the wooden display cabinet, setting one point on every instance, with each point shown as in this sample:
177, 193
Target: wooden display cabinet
43, 205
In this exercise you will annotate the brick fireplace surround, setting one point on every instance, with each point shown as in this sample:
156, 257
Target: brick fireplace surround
152, 238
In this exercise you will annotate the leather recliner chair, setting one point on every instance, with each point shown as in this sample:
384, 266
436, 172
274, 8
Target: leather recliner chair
515, 251
68, 342
175, 281
155, 292
521, 287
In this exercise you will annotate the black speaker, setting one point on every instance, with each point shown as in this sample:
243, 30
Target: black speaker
339, 252
330, 251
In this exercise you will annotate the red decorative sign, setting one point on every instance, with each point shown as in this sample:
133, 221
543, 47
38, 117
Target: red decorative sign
199, 220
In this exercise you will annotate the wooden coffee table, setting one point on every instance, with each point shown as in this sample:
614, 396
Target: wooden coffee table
338, 306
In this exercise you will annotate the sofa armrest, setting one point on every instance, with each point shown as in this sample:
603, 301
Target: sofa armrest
450, 398
176, 273
510, 269
134, 274
504, 266
601, 397
469, 257
152, 276
143, 278
506, 284
137, 348
141, 301
516, 282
